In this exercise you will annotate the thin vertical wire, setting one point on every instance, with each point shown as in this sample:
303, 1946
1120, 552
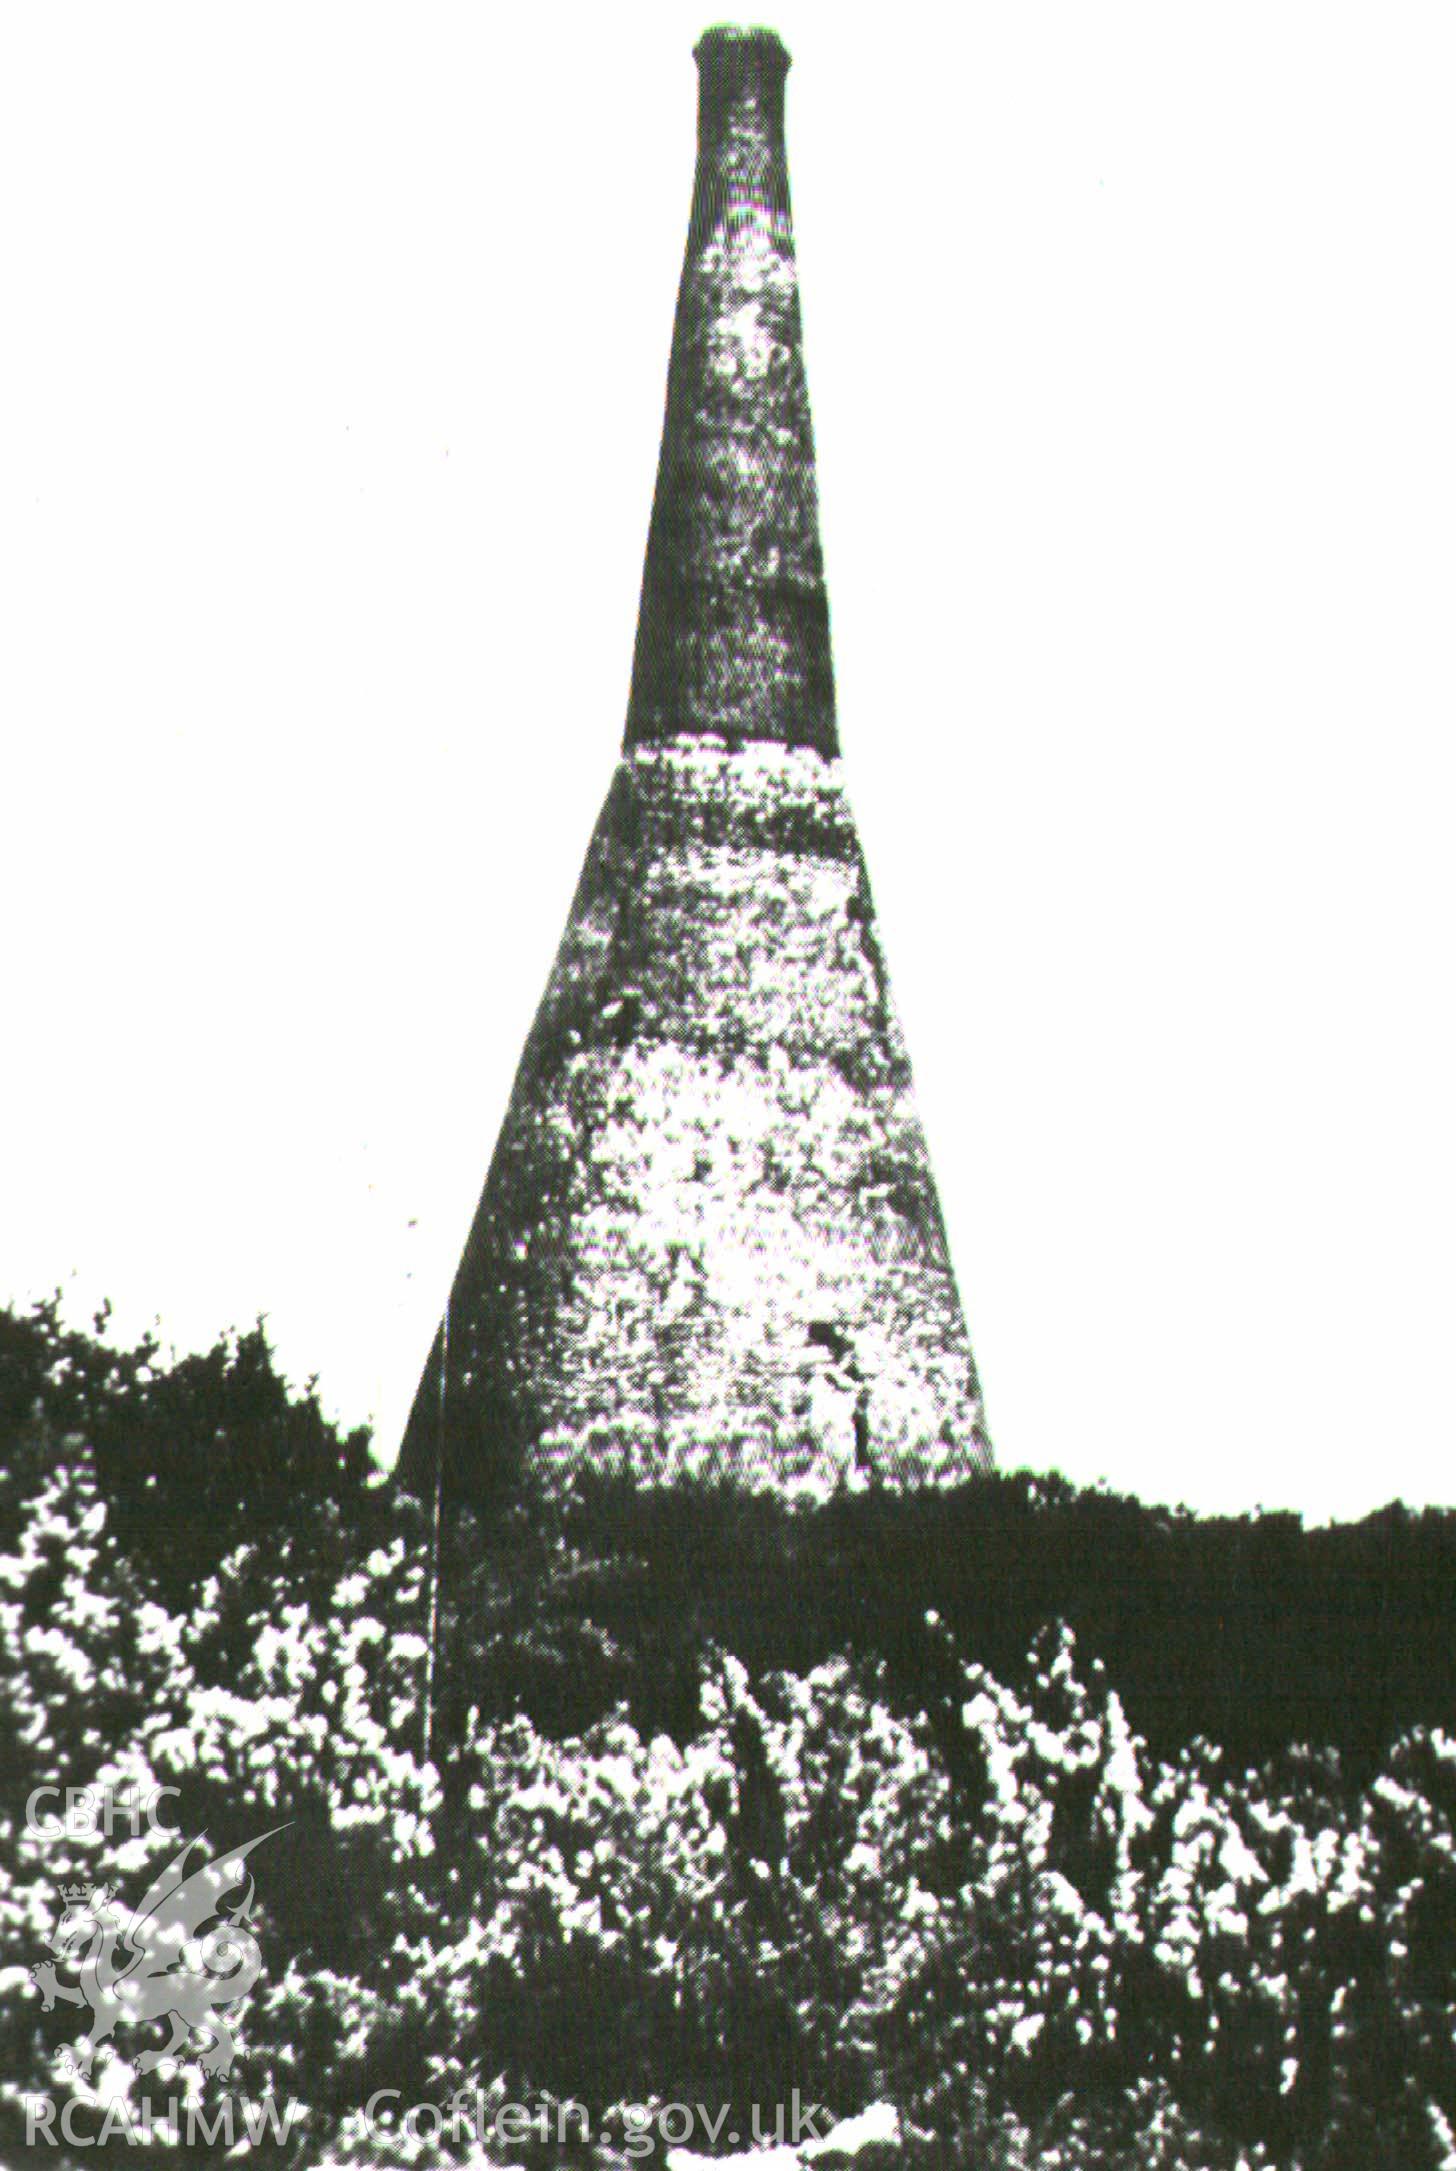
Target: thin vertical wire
432, 1636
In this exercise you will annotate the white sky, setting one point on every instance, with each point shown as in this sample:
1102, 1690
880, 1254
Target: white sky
333, 370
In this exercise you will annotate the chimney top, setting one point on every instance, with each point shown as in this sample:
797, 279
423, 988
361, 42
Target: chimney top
728, 42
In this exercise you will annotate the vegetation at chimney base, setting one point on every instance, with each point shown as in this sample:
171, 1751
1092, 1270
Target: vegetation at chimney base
1249, 1632
714, 1811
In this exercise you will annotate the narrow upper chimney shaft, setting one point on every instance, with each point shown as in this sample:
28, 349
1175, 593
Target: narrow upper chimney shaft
741, 152
733, 635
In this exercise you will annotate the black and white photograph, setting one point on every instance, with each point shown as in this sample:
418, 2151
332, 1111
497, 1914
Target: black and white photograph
727, 1169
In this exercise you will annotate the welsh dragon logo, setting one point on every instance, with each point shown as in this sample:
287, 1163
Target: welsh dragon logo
161, 1961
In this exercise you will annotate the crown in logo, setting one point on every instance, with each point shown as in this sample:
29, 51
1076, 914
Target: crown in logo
74, 1894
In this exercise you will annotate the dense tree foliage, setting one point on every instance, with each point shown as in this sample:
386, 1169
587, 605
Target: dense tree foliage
1074, 1829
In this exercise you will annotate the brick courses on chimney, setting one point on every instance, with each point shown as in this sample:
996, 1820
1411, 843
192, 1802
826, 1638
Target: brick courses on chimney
709, 1244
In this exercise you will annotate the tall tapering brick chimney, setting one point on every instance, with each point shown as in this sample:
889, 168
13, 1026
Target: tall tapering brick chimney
709, 1244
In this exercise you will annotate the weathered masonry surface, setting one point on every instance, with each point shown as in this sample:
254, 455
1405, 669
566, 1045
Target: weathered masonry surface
709, 1243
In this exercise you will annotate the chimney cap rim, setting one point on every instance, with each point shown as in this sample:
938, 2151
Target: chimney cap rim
721, 39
